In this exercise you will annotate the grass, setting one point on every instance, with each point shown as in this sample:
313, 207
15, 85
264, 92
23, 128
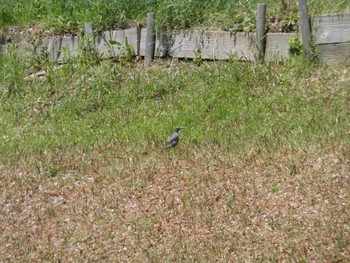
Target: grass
261, 172
221, 104
70, 16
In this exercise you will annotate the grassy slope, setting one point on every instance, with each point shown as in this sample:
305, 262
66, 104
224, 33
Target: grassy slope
220, 104
261, 172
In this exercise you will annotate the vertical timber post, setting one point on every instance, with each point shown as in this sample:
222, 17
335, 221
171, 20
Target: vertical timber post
150, 39
260, 32
89, 34
138, 42
304, 25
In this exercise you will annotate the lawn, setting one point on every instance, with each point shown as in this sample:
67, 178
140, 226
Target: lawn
261, 172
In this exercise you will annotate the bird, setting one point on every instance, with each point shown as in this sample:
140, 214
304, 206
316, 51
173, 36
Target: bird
174, 139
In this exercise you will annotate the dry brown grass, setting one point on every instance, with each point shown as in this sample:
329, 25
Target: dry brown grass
200, 206
262, 181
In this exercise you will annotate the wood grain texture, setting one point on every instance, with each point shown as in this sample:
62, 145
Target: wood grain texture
208, 45
150, 39
260, 32
104, 46
277, 47
335, 53
332, 36
304, 25
143, 42
57, 48
331, 28
131, 35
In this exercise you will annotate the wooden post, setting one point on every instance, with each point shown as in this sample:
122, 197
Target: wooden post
304, 25
260, 32
89, 34
138, 42
150, 39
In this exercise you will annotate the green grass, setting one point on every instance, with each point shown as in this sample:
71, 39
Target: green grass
70, 16
229, 105
261, 172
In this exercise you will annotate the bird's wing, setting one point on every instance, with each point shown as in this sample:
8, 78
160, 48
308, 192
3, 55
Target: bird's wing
173, 140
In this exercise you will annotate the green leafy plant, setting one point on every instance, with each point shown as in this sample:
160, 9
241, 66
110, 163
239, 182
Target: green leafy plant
88, 53
295, 46
128, 51
197, 57
289, 22
68, 16
12, 70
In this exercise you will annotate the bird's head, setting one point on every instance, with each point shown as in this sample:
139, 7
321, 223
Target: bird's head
177, 129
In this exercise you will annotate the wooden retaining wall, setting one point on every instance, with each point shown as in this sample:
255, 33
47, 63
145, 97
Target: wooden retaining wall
215, 45
331, 35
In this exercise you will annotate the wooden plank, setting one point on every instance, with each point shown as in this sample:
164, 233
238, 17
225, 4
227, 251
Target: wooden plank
159, 48
25, 48
277, 47
104, 46
335, 53
331, 28
143, 42
204, 44
66, 45
131, 35
208, 45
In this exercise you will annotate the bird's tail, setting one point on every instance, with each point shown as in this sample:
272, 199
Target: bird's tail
167, 146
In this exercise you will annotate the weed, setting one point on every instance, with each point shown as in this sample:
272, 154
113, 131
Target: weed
52, 171
198, 57
69, 16
260, 173
295, 46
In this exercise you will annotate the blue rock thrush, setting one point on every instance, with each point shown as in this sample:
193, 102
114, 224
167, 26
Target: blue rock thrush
174, 139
